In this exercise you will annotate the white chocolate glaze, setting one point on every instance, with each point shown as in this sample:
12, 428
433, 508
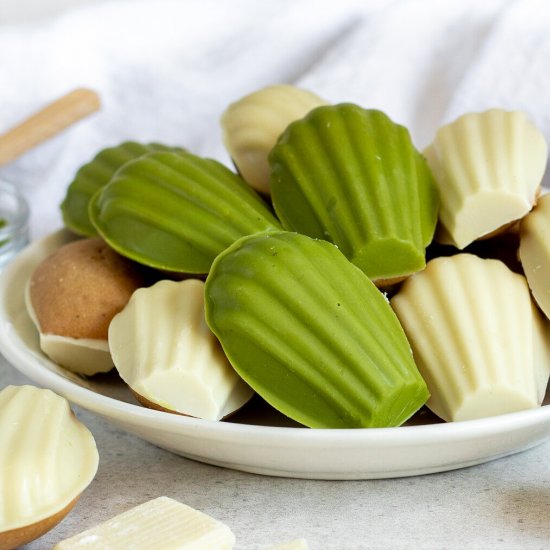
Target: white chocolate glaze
488, 167
81, 355
252, 125
479, 343
164, 350
541, 350
161, 523
47, 456
534, 251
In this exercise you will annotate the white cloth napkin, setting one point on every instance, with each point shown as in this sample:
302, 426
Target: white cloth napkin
166, 70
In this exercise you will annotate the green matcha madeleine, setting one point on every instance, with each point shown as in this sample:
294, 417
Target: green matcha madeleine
310, 333
177, 211
95, 174
353, 177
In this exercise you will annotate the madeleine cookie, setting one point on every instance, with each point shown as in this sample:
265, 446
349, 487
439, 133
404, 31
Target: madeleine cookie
478, 339
94, 175
164, 350
252, 125
489, 167
47, 459
534, 251
352, 176
311, 333
72, 297
177, 211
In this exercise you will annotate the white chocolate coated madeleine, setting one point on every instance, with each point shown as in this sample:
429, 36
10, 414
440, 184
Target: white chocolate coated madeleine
477, 338
252, 125
489, 167
161, 523
541, 351
164, 350
534, 251
47, 458
72, 297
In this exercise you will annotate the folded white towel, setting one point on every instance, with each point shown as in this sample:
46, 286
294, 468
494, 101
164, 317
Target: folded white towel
167, 69
511, 69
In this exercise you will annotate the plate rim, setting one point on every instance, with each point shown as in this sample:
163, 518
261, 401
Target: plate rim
22, 360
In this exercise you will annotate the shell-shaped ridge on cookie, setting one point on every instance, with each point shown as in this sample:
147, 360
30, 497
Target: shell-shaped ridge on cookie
489, 167
311, 333
164, 350
477, 338
47, 458
94, 175
252, 125
353, 177
176, 212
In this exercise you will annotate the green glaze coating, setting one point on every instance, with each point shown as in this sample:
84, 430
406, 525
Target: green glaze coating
177, 211
309, 332
353, 177
93, 176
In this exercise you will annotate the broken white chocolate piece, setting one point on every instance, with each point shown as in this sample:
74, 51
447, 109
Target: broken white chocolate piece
47, 458
534, 252
160, 523
164, 350
478, 341
299, 544
252, 125
488, 167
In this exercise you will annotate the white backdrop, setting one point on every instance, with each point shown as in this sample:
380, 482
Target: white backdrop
166, 69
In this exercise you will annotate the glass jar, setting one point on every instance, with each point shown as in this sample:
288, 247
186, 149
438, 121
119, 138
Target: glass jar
14, 222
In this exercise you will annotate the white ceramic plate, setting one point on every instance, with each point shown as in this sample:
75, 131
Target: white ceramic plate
258, 439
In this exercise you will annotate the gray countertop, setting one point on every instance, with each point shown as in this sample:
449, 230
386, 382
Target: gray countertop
502, 504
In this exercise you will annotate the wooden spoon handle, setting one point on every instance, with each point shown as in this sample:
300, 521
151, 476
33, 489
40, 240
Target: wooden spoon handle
47, 122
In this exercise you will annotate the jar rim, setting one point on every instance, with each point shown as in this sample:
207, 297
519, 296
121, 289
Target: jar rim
19, 218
